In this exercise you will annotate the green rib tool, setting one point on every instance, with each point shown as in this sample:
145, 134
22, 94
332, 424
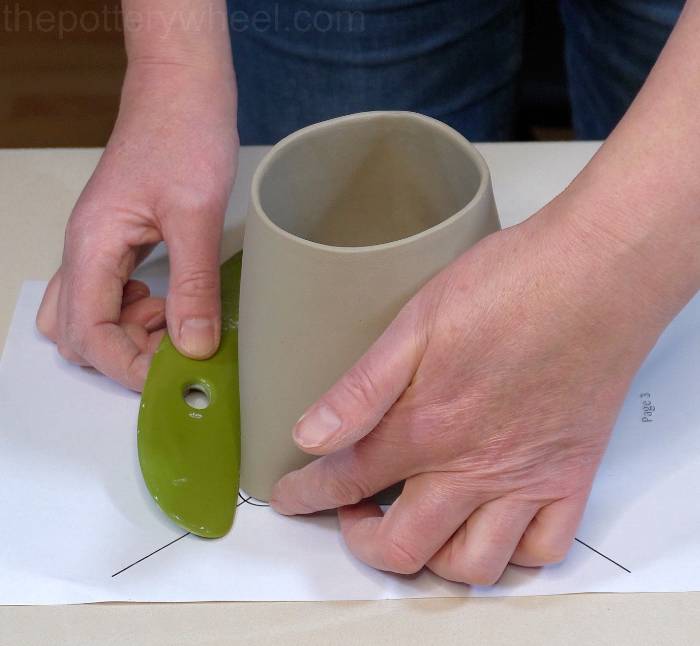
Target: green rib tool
190, 456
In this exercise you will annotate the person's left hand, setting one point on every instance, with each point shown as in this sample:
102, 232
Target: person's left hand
492, 394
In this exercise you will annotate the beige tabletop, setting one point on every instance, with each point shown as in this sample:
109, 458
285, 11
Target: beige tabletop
37, 191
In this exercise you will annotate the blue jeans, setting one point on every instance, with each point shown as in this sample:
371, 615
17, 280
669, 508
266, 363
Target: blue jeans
303, 61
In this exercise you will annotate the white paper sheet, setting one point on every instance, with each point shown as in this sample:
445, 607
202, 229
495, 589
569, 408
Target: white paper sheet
75, 512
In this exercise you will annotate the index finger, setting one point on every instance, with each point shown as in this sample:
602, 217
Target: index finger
89, 310
342, 478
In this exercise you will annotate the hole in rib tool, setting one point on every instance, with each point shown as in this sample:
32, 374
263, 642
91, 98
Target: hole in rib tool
189, 426
197, 396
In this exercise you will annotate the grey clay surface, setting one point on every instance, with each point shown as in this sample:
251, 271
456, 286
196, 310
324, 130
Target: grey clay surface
348, 219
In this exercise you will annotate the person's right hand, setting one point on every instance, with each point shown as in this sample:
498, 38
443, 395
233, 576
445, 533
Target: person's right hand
166, 174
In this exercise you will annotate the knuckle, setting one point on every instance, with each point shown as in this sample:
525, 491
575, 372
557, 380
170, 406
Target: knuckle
360, 386
473, 569
400, 556
207, 199
133, 372
345, 491
75, 223
74, 337
43, 323
346, 481
546, 554
196, 282
66, 353
481, 575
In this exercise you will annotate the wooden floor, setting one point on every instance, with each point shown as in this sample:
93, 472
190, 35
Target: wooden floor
59, 88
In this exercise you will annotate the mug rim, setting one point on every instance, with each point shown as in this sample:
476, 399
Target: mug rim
463, 142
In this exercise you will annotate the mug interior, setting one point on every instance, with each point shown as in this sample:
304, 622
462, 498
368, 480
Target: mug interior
368, 181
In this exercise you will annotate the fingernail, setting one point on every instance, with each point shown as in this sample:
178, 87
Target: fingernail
317, 426
198, 337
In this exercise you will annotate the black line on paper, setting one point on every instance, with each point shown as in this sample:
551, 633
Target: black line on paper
247, 500
593, 549
179, 538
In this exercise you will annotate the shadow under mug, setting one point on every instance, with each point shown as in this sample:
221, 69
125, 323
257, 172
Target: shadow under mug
348, 219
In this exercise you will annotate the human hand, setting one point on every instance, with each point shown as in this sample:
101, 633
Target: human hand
166, 174
493, 394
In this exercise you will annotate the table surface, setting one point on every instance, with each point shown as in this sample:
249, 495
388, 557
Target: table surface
37, 191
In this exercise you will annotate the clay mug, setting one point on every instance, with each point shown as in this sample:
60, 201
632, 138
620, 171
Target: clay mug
348, 219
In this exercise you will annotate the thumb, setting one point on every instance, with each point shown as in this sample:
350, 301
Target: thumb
356, 404
193, 305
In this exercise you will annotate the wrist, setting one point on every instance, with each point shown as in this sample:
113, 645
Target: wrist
162, 76
173, 114
604, 281
177, 33
646, 236
171, 93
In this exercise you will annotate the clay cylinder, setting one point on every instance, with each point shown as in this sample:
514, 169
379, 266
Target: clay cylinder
348, 219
